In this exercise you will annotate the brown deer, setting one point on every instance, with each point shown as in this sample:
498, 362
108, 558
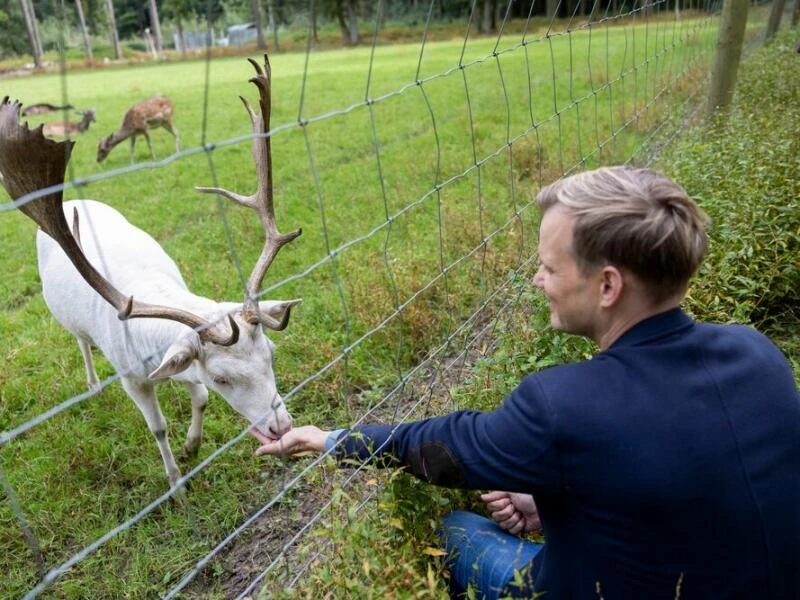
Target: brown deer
44, 108
147, 114
67, 128
113, 286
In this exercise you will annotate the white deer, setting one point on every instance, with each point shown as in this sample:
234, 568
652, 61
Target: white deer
112, 286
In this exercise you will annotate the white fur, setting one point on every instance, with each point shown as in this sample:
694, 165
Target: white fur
143, 350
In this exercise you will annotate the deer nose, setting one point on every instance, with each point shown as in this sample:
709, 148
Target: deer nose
281, 427
277, 432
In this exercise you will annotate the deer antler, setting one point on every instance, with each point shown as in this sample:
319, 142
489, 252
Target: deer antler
30, 162
261, 200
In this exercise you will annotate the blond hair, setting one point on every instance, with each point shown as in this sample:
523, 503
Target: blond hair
633, 218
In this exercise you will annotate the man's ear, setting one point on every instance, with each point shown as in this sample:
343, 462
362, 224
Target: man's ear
177, 359
612, 284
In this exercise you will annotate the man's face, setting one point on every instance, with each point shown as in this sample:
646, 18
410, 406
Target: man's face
574, 298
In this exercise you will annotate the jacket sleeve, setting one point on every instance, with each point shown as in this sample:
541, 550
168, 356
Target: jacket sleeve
510, 448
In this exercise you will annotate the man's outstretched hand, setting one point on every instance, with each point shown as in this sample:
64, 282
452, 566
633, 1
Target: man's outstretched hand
295, 442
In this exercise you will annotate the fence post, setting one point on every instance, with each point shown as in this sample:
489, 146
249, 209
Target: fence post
729, 53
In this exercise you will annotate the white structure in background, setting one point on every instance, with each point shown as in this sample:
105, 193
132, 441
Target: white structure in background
235, 35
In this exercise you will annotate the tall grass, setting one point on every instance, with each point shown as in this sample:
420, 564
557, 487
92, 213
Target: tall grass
414, 208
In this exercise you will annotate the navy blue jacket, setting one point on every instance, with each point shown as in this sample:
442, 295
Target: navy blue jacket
670, 460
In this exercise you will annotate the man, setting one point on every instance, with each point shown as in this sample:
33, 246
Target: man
667, 466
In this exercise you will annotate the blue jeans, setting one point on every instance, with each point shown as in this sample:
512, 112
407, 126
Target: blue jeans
481, 555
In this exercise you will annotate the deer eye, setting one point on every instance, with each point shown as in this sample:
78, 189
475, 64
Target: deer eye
220, 380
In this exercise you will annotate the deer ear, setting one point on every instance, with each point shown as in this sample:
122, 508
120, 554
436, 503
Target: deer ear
277, 312
177, 359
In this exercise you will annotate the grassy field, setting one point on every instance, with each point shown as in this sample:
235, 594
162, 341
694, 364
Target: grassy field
395, 213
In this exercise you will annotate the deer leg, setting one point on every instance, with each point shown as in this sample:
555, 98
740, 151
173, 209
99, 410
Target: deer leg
149, 145
133, 145
144, 395
91, 374
199, 395
171, 128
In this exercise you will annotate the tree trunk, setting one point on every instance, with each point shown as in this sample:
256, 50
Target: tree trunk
87, 42
255, 7
552, 5
729, 52
33, 34
380, 17
353, 20
313, 19
181, 38
795, 12
486, 22
342, 22
112, 26
148, 42
774, 22
273, 26
155, 25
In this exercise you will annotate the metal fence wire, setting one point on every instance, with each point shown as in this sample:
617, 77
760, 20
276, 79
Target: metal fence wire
634, 73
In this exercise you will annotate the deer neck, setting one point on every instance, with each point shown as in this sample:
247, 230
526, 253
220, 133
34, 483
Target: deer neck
117, 137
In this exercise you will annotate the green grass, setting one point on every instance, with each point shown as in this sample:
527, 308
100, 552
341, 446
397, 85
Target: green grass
570, 101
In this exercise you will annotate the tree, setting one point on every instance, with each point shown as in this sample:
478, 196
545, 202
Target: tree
380, 16
33, 33
774, 21
255, 7
487, 23
313, 18
87, 43
347, 16
729, 52
273, 25
155, 23
112, 27
552, 7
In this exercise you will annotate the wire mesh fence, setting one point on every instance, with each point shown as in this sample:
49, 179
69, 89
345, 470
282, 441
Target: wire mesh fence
411, 169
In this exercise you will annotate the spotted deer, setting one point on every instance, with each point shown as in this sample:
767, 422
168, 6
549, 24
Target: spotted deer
112, 286
67, 128
148, 114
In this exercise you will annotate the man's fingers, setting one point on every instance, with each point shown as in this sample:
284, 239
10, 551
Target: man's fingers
499, 504
511, 523
518, 526
273, 447
504, 513
285, 446
492, 496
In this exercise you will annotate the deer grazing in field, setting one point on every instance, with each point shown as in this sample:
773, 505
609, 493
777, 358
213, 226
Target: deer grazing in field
44, 108
67, 128
112, 286
148, 114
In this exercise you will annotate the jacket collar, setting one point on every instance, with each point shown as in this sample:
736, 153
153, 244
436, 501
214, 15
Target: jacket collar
659, 325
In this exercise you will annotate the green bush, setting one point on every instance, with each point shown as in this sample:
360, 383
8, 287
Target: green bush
743, 169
